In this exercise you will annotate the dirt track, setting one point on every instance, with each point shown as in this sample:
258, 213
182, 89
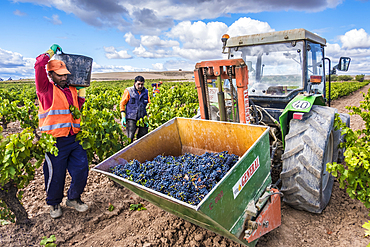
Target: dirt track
339, 224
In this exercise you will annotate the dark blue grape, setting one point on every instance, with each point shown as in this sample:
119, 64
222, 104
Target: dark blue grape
188, 177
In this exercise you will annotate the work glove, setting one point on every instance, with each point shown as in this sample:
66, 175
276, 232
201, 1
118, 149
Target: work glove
123, 120
56, 48
81, 92
53, 49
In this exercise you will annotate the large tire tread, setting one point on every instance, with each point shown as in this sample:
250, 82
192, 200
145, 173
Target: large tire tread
291, 172
307, 140
304, 160
309, 167
293, 151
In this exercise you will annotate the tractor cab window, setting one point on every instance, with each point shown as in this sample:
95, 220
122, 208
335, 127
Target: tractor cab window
315, 65
274, 69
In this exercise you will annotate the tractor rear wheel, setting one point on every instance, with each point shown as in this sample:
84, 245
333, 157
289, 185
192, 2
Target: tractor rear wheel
309, 146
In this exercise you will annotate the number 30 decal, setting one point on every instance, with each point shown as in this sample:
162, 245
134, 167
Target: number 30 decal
300, 104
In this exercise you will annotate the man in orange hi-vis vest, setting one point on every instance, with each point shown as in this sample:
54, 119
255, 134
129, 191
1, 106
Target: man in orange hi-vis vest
55, 98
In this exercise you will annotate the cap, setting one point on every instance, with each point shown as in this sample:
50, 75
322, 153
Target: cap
58, 67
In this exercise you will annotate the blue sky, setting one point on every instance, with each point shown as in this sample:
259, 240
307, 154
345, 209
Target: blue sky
147, 35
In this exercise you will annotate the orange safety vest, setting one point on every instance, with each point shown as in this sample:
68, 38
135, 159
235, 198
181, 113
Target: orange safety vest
58, 119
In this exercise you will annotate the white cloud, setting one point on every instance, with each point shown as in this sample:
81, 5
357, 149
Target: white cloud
10, 59
158, 66
179, 64
152, 41
142, 52
13, 64
360, 58
201, 41
55, 20
246, 26
198, 35
194, 41
333, 50
112, 53
197, 54
19, 13
131, 40
356, 45
355, 39
151, 46
97, 68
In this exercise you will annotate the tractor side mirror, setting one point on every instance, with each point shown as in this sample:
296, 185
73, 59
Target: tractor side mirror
343, 63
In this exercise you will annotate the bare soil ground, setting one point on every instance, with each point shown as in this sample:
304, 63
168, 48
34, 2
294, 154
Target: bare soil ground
338, 225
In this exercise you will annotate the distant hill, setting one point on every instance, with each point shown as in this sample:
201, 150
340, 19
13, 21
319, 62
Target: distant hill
177, 75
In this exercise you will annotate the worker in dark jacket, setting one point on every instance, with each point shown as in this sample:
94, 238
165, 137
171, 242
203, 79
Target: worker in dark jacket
133, 107
55, 98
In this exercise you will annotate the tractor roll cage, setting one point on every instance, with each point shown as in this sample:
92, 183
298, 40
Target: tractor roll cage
280, 64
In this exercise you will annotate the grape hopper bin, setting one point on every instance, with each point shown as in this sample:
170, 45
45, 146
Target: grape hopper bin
238, 207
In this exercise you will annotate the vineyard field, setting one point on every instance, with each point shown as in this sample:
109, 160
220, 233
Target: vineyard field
103, 135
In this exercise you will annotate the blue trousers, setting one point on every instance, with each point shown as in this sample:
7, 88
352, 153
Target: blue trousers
71, 157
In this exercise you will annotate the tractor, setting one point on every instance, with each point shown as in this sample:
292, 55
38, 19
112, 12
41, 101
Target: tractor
278, 79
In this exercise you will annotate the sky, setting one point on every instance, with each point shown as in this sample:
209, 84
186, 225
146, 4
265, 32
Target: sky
161, 35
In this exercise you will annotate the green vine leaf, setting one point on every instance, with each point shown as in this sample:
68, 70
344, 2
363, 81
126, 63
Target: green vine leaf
354, 175
76, 113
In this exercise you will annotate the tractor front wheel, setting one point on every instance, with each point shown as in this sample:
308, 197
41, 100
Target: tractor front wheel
309, 146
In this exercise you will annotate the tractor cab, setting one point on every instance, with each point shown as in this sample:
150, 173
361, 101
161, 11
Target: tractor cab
282, 65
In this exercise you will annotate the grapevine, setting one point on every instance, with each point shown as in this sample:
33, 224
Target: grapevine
340, 89
9, 111
143, 122
28, 116
76, 113
101, 135
176, 101
16, 170
355, 173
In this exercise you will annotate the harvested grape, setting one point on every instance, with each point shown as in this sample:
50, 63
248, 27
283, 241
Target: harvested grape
188, 177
